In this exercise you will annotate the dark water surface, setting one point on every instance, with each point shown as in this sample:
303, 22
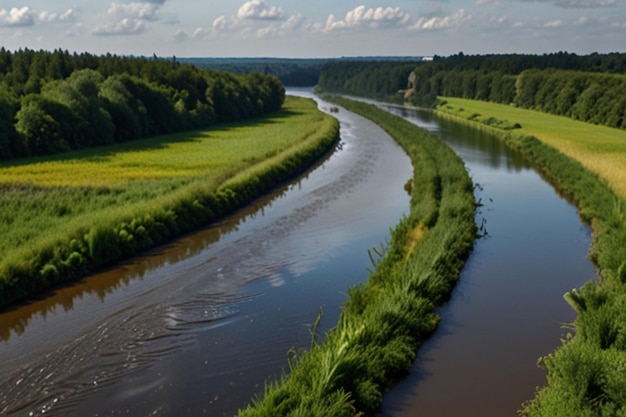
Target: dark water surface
507, 309
198, 326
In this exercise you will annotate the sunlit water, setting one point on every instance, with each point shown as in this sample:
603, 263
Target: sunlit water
197, 327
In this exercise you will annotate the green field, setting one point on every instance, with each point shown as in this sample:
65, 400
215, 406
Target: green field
62, 216
600, 149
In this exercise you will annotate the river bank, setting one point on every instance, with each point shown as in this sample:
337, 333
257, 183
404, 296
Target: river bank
386, 319
59, 226
585, 376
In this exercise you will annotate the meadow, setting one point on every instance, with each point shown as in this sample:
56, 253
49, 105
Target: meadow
586, 376
384, 320
600, 149
63, 216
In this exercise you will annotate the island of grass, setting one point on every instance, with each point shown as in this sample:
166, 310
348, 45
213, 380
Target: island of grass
64, 216
386, 319
587, 375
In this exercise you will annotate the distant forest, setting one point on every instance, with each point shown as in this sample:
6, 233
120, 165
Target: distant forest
54, 102
292, 72
590, 88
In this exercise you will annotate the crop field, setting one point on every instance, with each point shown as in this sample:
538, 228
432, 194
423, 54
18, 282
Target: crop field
59, 201
600, 149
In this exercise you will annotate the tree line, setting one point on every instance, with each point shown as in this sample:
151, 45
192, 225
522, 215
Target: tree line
591, 88
377, 79
56, 101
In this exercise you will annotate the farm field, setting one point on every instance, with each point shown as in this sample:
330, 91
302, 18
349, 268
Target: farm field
600, 149
63, 215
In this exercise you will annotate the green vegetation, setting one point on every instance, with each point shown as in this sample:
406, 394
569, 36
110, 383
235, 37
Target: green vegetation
63, 216
386, 319
375, 79
600, 149
590, 88
587, 374
53, 102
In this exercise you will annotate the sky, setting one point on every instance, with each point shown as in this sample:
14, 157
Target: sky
314, 28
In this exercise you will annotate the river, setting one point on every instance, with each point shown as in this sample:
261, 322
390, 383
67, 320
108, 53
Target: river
198, 326
507, 309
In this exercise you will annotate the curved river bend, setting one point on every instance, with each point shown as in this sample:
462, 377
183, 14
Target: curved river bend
507, 309
197, 327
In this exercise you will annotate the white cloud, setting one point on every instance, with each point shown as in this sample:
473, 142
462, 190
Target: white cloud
223, 23
439, 23
361, 17
125, 26
129, 18
135, 10
260, 10
52, 17
553, 24
24, 16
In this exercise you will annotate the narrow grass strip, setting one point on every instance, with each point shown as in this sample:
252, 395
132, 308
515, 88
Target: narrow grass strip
387, 318
63, 217
586, 376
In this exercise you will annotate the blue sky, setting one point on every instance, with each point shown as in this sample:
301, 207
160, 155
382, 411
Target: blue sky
307, 28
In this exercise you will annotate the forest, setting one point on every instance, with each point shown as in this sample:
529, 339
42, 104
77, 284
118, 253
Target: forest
590, 88
53, 102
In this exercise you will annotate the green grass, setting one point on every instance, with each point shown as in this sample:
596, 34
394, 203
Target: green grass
63, 216
600, 149
586, 376
386, 319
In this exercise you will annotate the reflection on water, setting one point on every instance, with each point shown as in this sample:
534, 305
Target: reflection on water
196, 327
15, 320
507, 309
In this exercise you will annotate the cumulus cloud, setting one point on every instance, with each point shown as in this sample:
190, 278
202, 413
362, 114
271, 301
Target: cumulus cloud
125, 26
361, 17
260, 10
26, 16
129, 18
135, 10
52, 17
23, 16
439, 23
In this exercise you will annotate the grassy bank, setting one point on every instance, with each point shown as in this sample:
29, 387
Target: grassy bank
587, 374
61, 217
386, 319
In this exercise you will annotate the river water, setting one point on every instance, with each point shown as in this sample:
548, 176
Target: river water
197, 327
507, 309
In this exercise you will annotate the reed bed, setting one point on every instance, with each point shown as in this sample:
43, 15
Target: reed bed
386, 319
586, 376
64, 216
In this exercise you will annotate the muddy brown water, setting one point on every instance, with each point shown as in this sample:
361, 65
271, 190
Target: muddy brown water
507, 309
198, 326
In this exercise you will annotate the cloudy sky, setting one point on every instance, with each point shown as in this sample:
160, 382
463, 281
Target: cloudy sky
313, 28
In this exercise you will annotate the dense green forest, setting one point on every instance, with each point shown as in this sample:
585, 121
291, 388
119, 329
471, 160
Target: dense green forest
369, 78
292, 72
56, 101
591, 88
